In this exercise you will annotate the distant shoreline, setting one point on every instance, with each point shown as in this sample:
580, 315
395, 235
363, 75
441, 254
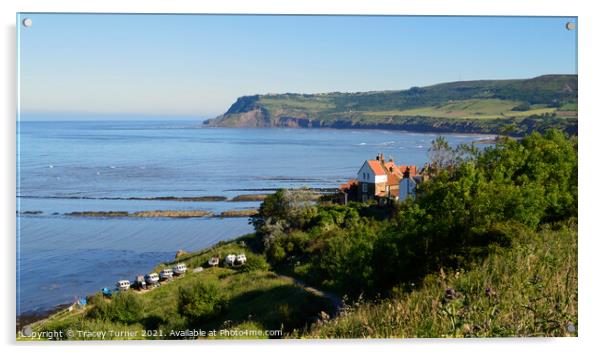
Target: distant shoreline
173, 214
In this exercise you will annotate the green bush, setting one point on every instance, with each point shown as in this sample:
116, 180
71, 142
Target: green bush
124, 307
200, 301
255, 263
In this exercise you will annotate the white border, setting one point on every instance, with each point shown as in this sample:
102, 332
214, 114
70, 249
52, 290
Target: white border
589, 125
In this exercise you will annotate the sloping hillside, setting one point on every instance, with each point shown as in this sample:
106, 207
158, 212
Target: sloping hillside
528, 290
486, 106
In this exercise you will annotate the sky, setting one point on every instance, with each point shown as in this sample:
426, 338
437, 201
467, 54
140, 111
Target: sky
101, 65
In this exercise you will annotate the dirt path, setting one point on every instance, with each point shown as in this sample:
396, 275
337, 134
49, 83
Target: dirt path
336, 301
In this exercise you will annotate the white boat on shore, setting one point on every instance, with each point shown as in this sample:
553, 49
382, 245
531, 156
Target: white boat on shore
180, 269
166, 274
152, 278
230, 259
241, 259
123, 285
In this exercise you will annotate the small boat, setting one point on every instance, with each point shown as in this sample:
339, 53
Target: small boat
152, 278
241, 259
166, 274
106, 292
140, 282
213, 262
180, 269
230, 259
123, 285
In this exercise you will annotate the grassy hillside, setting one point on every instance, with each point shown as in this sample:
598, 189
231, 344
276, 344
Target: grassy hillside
457, 106
248, 298
527, 290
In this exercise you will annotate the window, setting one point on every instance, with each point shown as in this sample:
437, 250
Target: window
364, 188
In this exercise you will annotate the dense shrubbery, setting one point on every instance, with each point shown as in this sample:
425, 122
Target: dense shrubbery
475, 199
200, 301
125, 307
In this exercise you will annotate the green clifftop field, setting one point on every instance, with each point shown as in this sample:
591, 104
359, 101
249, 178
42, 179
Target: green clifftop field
515, 107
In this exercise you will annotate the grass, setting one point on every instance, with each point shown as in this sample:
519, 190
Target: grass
297, 102
255, 298
527, 290
471, 109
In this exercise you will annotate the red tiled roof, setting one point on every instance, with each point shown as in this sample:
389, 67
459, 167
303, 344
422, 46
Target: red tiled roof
394, 179
403, 169
390, 164
348, 184
376, 167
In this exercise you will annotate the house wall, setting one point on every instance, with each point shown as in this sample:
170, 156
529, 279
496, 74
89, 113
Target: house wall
407, 189
370, 190
366, 191
365, 174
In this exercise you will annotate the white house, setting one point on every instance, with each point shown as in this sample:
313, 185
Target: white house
372, 179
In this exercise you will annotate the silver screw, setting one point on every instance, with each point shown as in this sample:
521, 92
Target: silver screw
570, 26
27, 22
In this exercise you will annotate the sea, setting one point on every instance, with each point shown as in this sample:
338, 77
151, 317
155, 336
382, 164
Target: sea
68, 166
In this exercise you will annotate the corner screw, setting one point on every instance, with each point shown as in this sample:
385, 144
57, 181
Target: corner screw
570, 26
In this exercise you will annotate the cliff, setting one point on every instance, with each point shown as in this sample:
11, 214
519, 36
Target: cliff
514, 107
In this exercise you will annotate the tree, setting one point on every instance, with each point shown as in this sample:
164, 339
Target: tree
440, 153
282, 212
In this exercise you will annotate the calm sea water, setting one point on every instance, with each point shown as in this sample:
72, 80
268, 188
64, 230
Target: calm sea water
61, 257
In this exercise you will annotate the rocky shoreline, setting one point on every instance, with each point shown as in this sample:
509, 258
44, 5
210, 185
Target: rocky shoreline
30, 317
165, 214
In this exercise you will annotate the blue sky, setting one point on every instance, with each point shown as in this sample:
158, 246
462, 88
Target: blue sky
197, 65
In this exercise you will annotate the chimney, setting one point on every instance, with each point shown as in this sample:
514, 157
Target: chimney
406, 173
